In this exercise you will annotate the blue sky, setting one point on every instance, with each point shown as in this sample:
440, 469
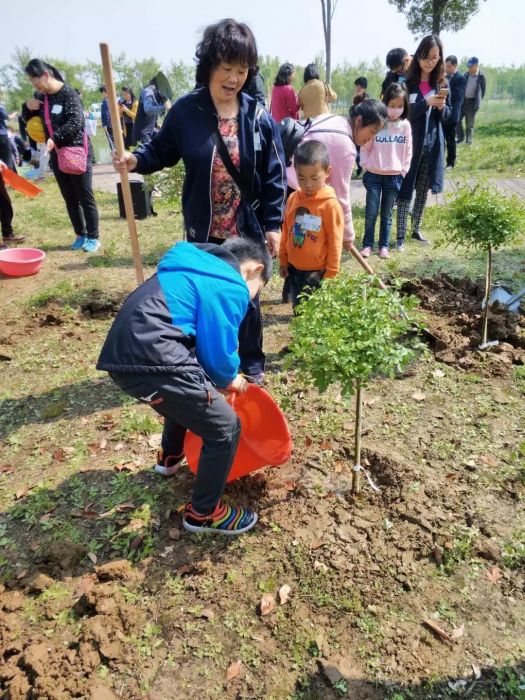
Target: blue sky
291, 29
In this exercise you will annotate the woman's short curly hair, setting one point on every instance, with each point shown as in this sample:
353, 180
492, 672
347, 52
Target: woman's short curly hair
228, 41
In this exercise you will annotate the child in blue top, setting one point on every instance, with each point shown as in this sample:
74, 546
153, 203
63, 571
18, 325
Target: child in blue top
172, 343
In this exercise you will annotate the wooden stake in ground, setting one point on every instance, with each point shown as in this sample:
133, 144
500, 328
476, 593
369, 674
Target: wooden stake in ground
488, 285
119, 147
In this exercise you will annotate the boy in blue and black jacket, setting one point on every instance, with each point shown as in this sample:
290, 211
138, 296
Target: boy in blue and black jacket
173, 344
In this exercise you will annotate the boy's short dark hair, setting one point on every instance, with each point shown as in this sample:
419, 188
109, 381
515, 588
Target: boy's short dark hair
452, 59
310, 153
102, 88
362, 82
397, 90
245, 249
395, 58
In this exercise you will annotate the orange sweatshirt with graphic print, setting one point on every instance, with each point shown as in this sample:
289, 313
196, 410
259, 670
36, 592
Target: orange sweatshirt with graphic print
312, 237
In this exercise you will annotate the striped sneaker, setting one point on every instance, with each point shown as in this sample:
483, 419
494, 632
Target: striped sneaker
228, 520
167, 465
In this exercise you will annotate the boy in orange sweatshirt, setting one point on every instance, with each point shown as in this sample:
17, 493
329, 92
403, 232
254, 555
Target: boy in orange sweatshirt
312, 236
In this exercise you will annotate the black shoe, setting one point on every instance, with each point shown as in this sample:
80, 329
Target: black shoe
416, 236
13, 238
449, 166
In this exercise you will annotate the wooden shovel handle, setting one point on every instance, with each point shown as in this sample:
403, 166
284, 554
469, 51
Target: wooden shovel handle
119, 147
357, 255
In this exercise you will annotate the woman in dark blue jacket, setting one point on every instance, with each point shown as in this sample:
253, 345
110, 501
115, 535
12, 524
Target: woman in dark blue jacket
214, 207
428, 110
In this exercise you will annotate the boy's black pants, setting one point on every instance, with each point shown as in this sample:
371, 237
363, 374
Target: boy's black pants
303, 281
188, 401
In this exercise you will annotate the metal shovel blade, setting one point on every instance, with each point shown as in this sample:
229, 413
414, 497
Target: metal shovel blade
505, 298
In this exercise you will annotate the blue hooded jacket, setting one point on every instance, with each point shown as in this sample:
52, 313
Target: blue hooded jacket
185, 318
186, 134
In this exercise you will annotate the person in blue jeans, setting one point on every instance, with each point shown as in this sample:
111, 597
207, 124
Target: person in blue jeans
386, 159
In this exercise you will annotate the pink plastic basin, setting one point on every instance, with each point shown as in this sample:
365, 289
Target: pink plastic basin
21, 262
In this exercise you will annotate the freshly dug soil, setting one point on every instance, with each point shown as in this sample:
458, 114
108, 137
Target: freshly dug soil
454, 316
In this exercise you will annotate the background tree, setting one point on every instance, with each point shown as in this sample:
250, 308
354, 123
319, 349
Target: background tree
328, 8
434, 16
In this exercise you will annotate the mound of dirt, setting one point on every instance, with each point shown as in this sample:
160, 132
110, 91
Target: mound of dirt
66, 664
454, 316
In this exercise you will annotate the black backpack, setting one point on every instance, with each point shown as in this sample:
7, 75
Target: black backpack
293, 131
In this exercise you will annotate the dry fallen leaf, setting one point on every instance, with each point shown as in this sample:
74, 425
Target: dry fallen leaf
476, 671
46, 517
92, 557
325, 445
119, 446
267, 604
125, 507
369, 401
154, 440
319, 566
284, 593
458, 632
184, 569
419, 396
207, 614
339, 466
21, 492
103, 444
489, 460
438, 373
233, 670
494, 574
174, 533
308, 441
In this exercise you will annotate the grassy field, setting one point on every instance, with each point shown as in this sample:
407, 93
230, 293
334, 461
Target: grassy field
104, 596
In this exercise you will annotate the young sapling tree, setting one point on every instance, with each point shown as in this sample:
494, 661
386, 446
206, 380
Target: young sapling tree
481, 218
347, 332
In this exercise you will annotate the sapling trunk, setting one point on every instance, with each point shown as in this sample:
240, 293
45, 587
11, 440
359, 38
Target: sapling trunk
488, 285
356, 474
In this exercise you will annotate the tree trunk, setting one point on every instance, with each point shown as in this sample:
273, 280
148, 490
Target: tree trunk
327, 28
356, 474
437, 12
488, 285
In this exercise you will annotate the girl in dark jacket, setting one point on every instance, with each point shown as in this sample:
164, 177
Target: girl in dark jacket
428, 110
67, 123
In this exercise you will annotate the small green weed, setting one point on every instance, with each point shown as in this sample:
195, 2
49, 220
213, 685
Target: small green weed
461, 550
514, 551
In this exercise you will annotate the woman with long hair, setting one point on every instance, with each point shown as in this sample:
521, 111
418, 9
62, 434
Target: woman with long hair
284, 98
427, 89
63, 118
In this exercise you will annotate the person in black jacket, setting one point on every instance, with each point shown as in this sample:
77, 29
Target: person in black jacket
173, 346
254, 87
216, 206
398, 61
428, 110
64, 126
457, 84
475, 88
